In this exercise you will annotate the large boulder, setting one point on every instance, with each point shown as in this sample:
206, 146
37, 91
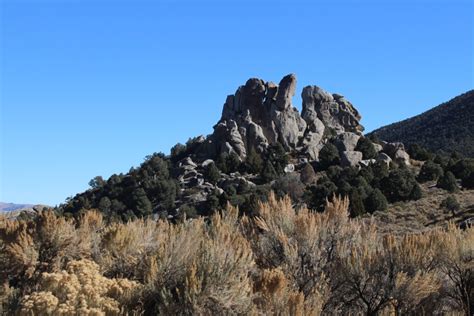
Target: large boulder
333, 110
401, 156
351, 158
346, 141
383, 157
397, 152
391, 148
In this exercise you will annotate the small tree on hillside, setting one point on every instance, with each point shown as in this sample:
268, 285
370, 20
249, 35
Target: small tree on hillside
419, 153
451, 204
212, 173
448, 182
268, 172
376, 201
142, 203
254, 162
429, 171
329, 155
366, 147
400, 185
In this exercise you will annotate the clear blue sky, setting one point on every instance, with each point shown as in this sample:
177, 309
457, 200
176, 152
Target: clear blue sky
91, 87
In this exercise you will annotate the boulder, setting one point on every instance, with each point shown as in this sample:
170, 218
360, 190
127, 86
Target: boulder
207, 162
367, 162
187, 163
196, 181
391, 148
351, 158
401, 156
384, 158
378, 147
346, 141
289, 168
334, 110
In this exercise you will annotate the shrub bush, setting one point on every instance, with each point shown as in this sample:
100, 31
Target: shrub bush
448, 182
430, 171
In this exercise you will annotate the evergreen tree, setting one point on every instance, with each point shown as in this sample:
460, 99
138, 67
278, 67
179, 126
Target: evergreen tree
142, 204
376, 201
105, 204
448, 182
400, 185
367, 148
254, 162
429, 171
418, 152
212, 173
328, 156
317, 194
178, 152
416, 192
276, 154
451, 204
97, 183
268, 172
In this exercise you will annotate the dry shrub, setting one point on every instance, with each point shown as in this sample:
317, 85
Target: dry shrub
125, 248
274, 295
283, 261
201, 269
456, 256
383, 273
79, 290
301, 244
44, 244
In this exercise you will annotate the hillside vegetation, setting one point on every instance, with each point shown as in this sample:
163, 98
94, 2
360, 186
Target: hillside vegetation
281, 261
447, 127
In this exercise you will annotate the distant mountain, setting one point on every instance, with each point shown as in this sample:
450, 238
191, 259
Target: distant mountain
447, 127
8, 207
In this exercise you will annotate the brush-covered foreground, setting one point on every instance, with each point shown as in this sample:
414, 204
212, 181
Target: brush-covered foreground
281, 262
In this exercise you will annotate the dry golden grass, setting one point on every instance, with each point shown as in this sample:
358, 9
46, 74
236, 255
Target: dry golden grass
283, 261
426, 213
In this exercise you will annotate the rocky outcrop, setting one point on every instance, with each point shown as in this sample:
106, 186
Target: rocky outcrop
397, 152
258, 114
333, 110
346, 141
261, 113
351, 158
383, 157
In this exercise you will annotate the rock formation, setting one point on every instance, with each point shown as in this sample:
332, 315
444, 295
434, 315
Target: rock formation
261, 113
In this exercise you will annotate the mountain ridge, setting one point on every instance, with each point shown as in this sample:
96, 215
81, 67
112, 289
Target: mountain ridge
446, 127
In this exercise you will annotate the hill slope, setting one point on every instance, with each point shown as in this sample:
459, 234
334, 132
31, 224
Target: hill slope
262, 144
7, 207
447, 127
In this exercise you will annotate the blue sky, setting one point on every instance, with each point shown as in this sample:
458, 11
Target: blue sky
91, 87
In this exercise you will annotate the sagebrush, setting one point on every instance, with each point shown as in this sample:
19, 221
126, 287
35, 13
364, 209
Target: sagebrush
280, 261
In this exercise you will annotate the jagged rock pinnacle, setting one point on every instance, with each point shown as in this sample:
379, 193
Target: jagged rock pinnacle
261, 113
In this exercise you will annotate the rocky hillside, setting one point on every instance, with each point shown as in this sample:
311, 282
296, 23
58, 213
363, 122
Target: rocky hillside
447, 127
261, 144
